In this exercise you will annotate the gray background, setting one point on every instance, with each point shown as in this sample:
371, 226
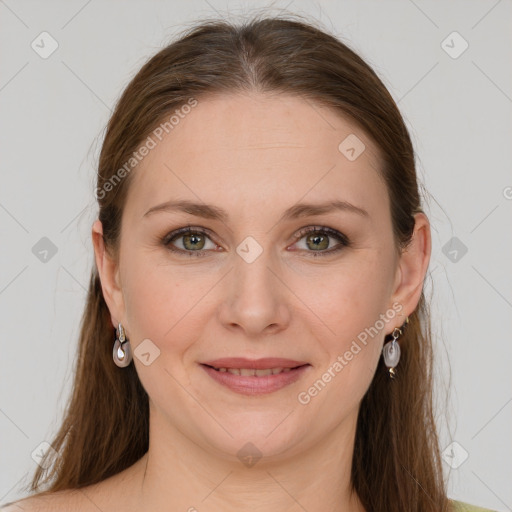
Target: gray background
54, 111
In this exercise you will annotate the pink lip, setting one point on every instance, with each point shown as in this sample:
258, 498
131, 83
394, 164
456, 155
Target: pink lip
253, 385
256, 364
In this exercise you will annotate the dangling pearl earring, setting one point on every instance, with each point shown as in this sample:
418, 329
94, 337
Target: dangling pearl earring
122, 353
391, 350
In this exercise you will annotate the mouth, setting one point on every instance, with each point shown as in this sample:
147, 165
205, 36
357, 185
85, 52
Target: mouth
254, 377
252, 372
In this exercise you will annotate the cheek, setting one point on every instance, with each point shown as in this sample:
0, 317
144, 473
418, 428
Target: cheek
351, 304
353, 295
165, 304
351, 308
152, 297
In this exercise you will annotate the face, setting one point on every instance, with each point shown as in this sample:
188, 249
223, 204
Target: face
256, 275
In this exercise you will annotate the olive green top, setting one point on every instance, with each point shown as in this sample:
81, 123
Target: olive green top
460, 506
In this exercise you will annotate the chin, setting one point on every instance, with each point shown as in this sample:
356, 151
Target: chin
267, 437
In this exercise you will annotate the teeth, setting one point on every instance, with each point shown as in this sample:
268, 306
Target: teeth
250, 372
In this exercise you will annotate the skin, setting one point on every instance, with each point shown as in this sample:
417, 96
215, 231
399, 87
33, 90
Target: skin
254, 155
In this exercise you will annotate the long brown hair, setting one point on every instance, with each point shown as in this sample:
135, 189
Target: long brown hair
396, 463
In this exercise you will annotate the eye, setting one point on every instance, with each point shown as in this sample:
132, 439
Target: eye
317, 239
189, 241
192, 241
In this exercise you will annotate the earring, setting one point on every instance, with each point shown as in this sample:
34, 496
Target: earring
391, 350
122, 353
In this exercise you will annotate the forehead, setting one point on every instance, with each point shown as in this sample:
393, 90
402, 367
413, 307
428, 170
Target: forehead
258, 148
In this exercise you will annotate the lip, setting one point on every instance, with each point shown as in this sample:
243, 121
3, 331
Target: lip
254, 364
253, 385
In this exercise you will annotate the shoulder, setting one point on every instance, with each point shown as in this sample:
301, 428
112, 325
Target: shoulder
118, 492
460, 506
113, 493
69, 501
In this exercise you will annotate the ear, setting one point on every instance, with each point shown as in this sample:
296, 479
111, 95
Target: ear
412, 267
108, 270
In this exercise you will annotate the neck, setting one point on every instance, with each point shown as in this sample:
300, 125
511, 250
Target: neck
178, 474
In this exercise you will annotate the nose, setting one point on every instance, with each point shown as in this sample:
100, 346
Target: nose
255, 301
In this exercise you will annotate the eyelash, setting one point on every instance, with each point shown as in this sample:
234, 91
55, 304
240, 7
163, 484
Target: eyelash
170, 237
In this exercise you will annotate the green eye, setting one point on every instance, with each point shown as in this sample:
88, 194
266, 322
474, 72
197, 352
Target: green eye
194, 241
317, 239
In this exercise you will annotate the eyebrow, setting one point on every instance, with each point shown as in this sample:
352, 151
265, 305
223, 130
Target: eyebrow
209, 211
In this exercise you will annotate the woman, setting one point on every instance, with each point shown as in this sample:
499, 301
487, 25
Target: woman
256, 335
